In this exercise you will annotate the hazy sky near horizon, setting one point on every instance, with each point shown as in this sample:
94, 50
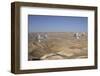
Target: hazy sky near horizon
43, 23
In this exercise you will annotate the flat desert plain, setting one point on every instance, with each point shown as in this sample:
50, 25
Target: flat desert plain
57, 45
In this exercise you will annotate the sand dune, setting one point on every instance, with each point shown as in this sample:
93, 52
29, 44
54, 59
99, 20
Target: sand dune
58, 45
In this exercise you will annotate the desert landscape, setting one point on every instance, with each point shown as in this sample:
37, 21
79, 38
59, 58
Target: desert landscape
57, 45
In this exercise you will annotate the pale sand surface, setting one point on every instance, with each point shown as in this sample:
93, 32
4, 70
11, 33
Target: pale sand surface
59, 45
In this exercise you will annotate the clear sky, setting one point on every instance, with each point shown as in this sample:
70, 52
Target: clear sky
42, 23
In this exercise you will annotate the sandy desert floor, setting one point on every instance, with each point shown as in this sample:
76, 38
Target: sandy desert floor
58, 45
